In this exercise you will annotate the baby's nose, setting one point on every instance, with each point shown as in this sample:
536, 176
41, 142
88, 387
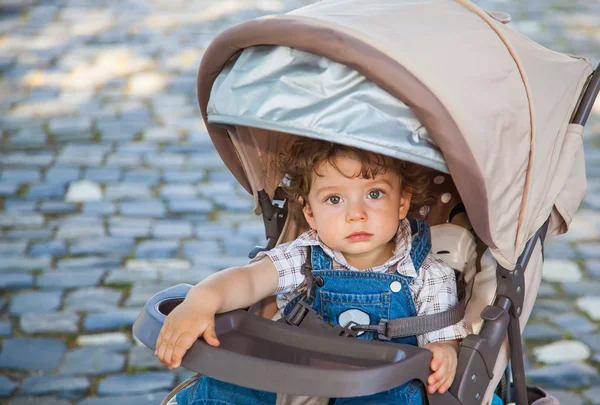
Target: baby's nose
356, 213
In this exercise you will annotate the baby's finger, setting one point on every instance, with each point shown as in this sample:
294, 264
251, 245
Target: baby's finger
168, 359
186, 340
160, 350
210, 336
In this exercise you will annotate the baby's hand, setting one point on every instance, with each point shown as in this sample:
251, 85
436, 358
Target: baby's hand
443, 365
183, 326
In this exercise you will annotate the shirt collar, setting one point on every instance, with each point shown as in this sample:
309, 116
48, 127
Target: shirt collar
400, 261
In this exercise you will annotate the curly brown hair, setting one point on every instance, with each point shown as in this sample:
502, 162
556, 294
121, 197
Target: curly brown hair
300, 161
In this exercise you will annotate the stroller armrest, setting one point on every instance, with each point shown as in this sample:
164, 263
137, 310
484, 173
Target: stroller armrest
271, 356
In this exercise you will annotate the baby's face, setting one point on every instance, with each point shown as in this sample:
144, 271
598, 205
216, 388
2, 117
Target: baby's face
355, 215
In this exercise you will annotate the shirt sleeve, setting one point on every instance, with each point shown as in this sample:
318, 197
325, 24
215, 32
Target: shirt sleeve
288, 259
438, 293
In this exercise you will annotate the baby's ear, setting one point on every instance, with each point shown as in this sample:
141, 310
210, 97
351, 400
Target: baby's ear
405, 197
308, 215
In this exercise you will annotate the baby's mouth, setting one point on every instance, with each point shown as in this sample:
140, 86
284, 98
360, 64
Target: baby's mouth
359, 236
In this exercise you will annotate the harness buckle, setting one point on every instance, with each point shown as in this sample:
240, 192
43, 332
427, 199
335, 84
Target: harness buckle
381, 329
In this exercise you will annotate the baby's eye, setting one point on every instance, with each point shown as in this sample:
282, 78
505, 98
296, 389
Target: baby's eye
334, 199
375, 194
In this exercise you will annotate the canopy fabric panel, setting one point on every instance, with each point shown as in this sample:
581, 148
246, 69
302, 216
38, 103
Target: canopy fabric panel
297, 92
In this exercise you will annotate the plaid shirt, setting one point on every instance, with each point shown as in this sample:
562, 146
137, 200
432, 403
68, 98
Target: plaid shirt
433, 287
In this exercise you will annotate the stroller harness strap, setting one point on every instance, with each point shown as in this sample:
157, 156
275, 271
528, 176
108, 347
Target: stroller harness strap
303, 315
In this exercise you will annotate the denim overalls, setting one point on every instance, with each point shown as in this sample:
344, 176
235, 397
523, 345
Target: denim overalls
340, 296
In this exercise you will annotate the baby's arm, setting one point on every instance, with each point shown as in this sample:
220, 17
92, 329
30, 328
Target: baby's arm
233, 288
443, 365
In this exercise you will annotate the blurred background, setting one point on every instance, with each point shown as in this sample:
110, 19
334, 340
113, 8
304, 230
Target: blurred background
110, 191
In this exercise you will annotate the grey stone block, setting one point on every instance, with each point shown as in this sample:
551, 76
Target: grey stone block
148, 208
35, 301
187, 276
5, 331
137, 148
209, 231
32, 158
92, 361
77, 231
20, 220
103, 175
142, 357
19, 263
592, 341
199, 248
154, 249
57, 207
93, 300
62, 174
140, 294
45, 191
99, 208
126, 191
593, 267
181, 176
130, 276
69, 126
8, 189
109, 321
123, 384
21, 205
172, 229
29, 234
238, 246
165, 160
586, 288
565, 376
550, 309
11, 281
85, 263
65, 387
45, 400
207, 161
42, 353
52, 248
55, 322
146, 177
192, 206
7, 386
70, 279
154, 398
83, 154
103, 246
20, 176
117, 160
589, 250
178, 192
218, 263
593, 395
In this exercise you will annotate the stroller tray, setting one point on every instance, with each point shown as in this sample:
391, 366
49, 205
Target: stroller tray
271, 356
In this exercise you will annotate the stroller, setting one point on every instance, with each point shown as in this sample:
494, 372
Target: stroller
441, 83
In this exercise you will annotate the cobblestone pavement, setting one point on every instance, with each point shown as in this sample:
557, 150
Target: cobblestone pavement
97, 105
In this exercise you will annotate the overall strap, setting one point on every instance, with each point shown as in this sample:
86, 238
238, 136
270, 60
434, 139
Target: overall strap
421, 242
419, 325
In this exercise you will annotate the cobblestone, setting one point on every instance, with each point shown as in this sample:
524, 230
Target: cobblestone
49, 323
43, 353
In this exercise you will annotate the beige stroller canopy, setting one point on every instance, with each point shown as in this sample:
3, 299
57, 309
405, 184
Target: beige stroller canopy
497, 104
